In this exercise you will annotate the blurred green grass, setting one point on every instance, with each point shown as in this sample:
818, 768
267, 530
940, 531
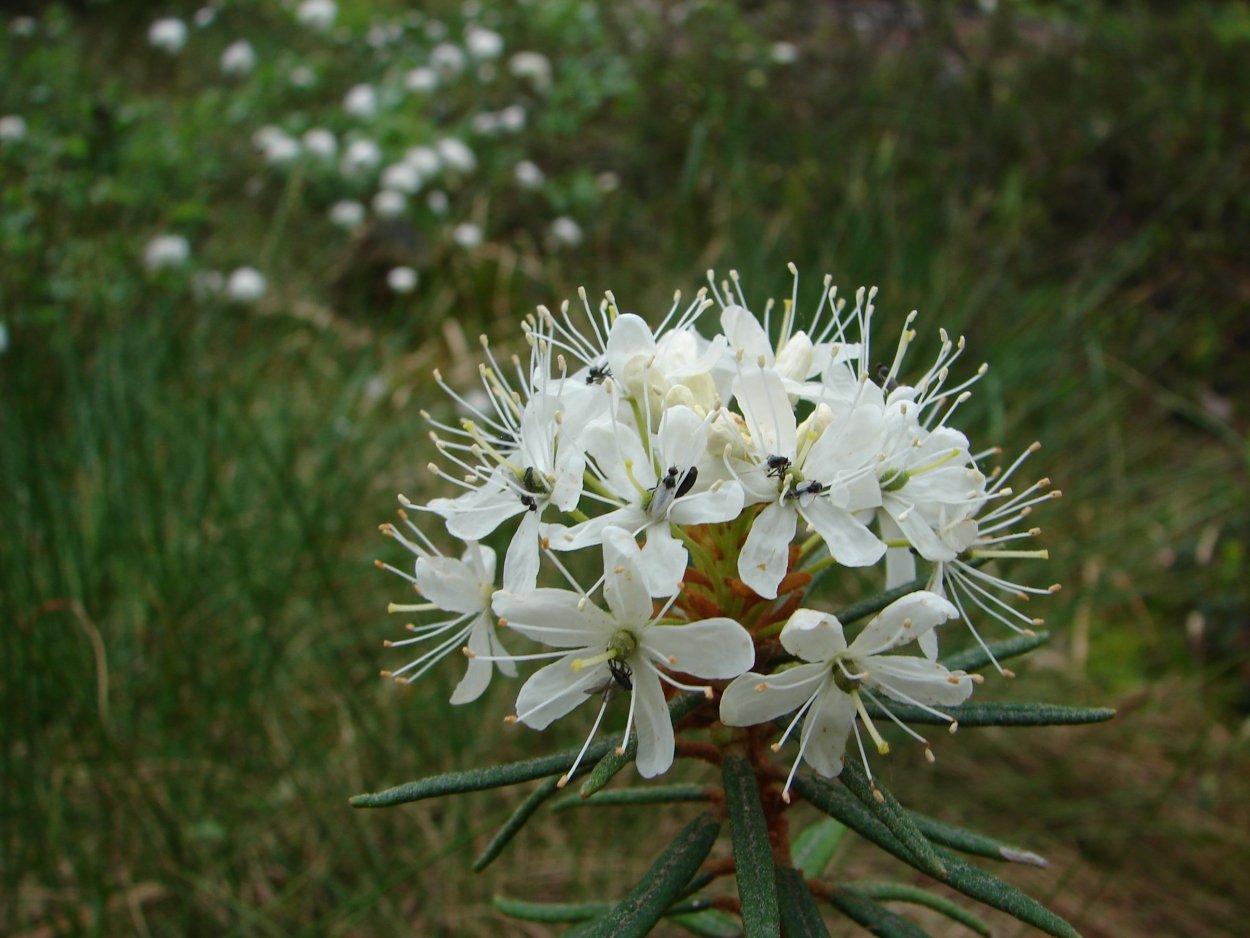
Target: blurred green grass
193, 623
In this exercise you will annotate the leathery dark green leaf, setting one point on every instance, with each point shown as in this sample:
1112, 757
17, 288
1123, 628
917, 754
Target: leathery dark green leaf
970, 659
524, 811
646, 794
614, 761
815, 845
966, 841
800, 916
996, 714
872, 915
900, 892
663, 883
753, 855
889, 812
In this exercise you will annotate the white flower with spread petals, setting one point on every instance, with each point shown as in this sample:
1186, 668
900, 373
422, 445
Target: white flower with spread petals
828, 690
463, 587
623, 647
655, 485
813, 471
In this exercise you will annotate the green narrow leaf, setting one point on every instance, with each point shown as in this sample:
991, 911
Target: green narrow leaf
650, 794
885, 807
866, 607
614, 761
897, 892
497, 776
966, 841
815, 846
866, 911
800, 918
550, 911
523, 813
663, 882
753, 855
970, 659
997, 714
710, 923
835, 801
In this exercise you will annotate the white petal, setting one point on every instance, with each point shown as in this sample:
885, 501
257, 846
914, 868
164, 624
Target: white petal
589, 533
570, 472
813, 635
477, 675
552, 617
663, 561
902, 621
768, 412
899, 676
520, 564
765, 556
724, 504
709, 648
682, 438
624, 584
825, 730
849, 542
449, 584
745, 334
557, 689
629, 337
916, 528
743, 704
476, 514
652, 724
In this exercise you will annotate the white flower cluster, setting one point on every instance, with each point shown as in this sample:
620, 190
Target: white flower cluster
711, 479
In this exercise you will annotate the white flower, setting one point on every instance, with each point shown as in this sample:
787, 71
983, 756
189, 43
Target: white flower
347, 213
166, 251
388, 203
483, 43
456, 155
827, 691
245, 285
533, 66
317, 14
424, 160
421, 79
280, 148
320, 142
467, 235
238, 58
360, 156
528, 175
464, 587
12, 128
361, 101
654, 485
512, 118
402, 279
565, 231
620, 648
447, 59
403, 177
804, 471
168, 34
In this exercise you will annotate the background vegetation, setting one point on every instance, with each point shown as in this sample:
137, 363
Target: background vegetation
191, 620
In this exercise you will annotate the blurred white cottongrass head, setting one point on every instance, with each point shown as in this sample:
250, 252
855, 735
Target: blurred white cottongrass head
12, 128
565, 232
422, 80
347, 213
388, 203
246, 285
456, 155
402, 279
528, 175
361, 101
168, 35
360, 157
483, 44
447, 59
533, 67
402, 177
320, 142
164, 251
238, 58
317, 14
467, 235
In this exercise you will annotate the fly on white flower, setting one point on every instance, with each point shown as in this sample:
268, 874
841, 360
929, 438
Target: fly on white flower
624, 647
828, 691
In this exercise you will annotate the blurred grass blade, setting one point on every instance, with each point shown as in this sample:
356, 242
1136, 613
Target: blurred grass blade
815, 846
523, 813
651, 794
800, 918
966, 841
665, 881
885, 807
998, 714
835, 801
753, 855
613, 762
866, 911
970, 659
898, 892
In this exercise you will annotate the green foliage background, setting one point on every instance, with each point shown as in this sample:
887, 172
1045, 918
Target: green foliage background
191, 620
